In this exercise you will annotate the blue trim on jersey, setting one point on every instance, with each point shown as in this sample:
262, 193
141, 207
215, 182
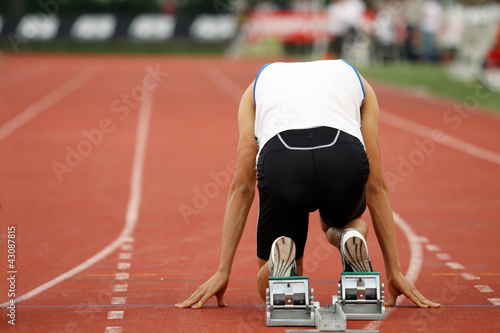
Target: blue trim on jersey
359, 77
255, 83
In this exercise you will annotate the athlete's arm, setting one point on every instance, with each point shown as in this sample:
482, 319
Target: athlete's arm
377, 197
240, 198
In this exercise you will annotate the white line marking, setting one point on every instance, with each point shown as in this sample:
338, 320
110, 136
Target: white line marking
113, 329
118, 300
484, 289
129, 239
126, 247
115, 314
132, 208
443, 256
469, 276
123, 265
423, 239
224, 83
432, 247
494, 301
416, 262
122, 276
124, 256
120, 287
455, 265
46, 102
445, 139
416, 250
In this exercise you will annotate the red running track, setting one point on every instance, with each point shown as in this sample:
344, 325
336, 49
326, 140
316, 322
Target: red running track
114, 171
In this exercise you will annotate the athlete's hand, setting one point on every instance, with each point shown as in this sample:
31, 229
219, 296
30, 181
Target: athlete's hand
398, 284
217, 286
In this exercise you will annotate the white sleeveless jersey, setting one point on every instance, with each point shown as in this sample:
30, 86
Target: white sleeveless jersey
306, 95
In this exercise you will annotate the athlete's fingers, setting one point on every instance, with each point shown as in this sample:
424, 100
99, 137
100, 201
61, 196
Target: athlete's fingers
421, 300
195, 297
203, 300
426, 302
392, 300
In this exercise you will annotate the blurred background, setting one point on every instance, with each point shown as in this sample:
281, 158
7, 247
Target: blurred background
431, 43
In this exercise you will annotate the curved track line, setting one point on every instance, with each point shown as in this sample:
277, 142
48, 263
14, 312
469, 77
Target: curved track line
47, 101
132, 207
416, 262
438, 136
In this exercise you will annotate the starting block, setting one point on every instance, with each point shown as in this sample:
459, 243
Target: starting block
361, 296
290, 302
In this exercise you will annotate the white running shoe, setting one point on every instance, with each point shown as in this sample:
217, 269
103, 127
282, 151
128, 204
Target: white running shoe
282, 258
354, 252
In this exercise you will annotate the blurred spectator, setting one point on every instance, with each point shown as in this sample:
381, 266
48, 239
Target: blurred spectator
344, 17
390, 31
412, 42
430, 23
450, 36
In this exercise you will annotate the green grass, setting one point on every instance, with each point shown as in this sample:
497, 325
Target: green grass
433, 79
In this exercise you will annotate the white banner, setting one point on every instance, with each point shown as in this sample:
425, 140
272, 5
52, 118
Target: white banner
214, 27
152, 27
94, 27
38, 26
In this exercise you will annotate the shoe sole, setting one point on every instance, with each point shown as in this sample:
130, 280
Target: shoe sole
355, 255
283, 257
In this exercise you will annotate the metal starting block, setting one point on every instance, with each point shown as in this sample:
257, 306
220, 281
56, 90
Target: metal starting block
361, 296
290, 302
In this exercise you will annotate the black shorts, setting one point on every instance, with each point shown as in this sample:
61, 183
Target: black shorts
300, 171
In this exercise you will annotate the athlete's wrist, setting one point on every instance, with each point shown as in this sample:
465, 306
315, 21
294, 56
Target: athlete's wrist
223, 269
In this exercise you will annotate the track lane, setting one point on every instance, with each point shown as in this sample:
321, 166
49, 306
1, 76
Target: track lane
167, 246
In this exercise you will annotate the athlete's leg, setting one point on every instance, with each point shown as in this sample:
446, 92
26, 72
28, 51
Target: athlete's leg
263, 276
333, 233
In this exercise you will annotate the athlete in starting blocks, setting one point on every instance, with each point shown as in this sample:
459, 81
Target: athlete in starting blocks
309, 135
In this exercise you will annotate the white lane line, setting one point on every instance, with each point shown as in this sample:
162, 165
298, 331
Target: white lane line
455, 265
47, 101
126, 247
416, 262
423, 239
125, 256
438, 136
224, 83
120, 287
484, 288
113, 329
432, 248
443, 256
469, 276
132, 207
115, 314
123, 265
118, 300
416, 250
494, 301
